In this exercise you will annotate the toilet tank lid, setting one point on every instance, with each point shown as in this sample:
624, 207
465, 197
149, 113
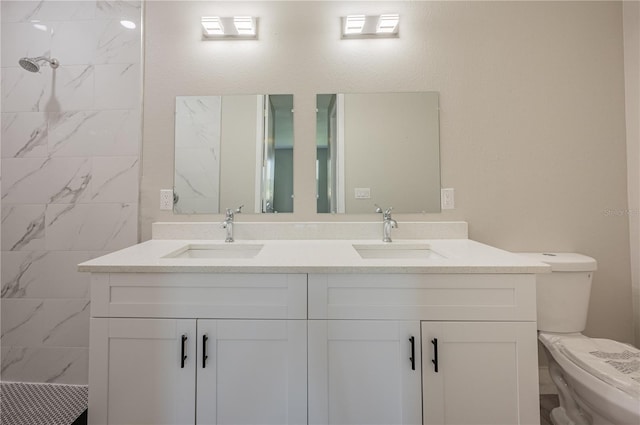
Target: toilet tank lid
564, 261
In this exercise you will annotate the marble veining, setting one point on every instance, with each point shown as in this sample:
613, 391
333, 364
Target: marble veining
117, 46
45, 180
93, 133
23, 227
11, 357
71, 192
197, 159
27, 317
62, 321
91, 227
24, 134
32, 167
45, 274
77, 81
30, 14
70, 161
120, 8
59, 214
16, 285
72, 124
115, 179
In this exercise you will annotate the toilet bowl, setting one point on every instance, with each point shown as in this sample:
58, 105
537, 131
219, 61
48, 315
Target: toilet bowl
598, 380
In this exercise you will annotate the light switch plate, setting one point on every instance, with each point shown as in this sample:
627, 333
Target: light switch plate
362, 193
447, 200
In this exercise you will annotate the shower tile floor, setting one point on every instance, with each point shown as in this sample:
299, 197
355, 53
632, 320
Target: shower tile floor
42, 404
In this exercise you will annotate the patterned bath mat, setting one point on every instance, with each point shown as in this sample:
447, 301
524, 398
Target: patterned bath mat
41, 404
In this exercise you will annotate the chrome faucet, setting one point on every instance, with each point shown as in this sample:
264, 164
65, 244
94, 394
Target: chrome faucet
228, 222
388, 223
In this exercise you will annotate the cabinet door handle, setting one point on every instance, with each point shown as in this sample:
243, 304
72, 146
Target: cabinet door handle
434, 341
204, 351
183, 356
412, 340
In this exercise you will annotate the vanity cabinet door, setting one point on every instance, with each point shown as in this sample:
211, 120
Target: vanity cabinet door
142, 372
486, 373
362, 372
252, 372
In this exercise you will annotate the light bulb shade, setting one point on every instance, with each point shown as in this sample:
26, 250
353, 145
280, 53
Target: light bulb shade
388, 23
212, 26
353, 24
228, 28
371, 26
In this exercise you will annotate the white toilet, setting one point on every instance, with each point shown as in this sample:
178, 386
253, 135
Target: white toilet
598, 380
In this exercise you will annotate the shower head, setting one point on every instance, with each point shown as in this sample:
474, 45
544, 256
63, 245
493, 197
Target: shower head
31, 64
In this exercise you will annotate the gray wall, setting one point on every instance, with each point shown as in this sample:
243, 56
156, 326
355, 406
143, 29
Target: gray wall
392, 147
238, 152
532, 113
631, 12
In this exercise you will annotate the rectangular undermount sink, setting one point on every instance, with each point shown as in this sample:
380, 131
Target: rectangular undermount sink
395, 250
217, 251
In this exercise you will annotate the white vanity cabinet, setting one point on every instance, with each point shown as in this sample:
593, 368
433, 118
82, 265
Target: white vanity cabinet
479, 373
237, 354
317, 348
254, 372
359, 349
136, 373
364, 372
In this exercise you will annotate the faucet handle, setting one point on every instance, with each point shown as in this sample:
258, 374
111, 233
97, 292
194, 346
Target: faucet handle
385, 213
239, 209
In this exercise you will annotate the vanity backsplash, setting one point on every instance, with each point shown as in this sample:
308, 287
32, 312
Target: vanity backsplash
309, 230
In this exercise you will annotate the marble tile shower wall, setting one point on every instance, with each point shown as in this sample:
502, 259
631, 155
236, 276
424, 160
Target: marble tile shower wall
70, 159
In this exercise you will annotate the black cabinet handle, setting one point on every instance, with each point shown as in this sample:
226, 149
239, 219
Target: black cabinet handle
204, 351
434, 341
183, 356
412, 340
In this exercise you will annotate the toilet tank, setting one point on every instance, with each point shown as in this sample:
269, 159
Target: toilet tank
563, 295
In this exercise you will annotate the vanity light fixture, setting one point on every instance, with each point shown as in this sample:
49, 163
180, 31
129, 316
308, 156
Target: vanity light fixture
387, 24
371, 26
354, 24
229, 28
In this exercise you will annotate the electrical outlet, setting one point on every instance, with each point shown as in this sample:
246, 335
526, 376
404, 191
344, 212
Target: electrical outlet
166, 199
447, 201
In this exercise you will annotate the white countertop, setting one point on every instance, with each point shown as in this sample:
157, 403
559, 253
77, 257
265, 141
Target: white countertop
316, 256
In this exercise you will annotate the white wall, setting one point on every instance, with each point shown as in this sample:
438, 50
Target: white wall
631, 11
70, 163
532, 113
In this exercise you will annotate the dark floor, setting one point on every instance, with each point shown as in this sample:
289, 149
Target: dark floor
547, 403
82, 419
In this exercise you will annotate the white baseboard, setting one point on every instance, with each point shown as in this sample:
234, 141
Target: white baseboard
546, 384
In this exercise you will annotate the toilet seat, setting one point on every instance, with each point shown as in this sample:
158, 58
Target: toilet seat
615, 363
597, 388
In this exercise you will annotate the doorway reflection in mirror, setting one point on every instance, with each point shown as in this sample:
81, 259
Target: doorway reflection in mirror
232, 150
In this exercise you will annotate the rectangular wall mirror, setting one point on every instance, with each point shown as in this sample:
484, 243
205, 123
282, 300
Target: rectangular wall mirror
233, 150
378, 148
